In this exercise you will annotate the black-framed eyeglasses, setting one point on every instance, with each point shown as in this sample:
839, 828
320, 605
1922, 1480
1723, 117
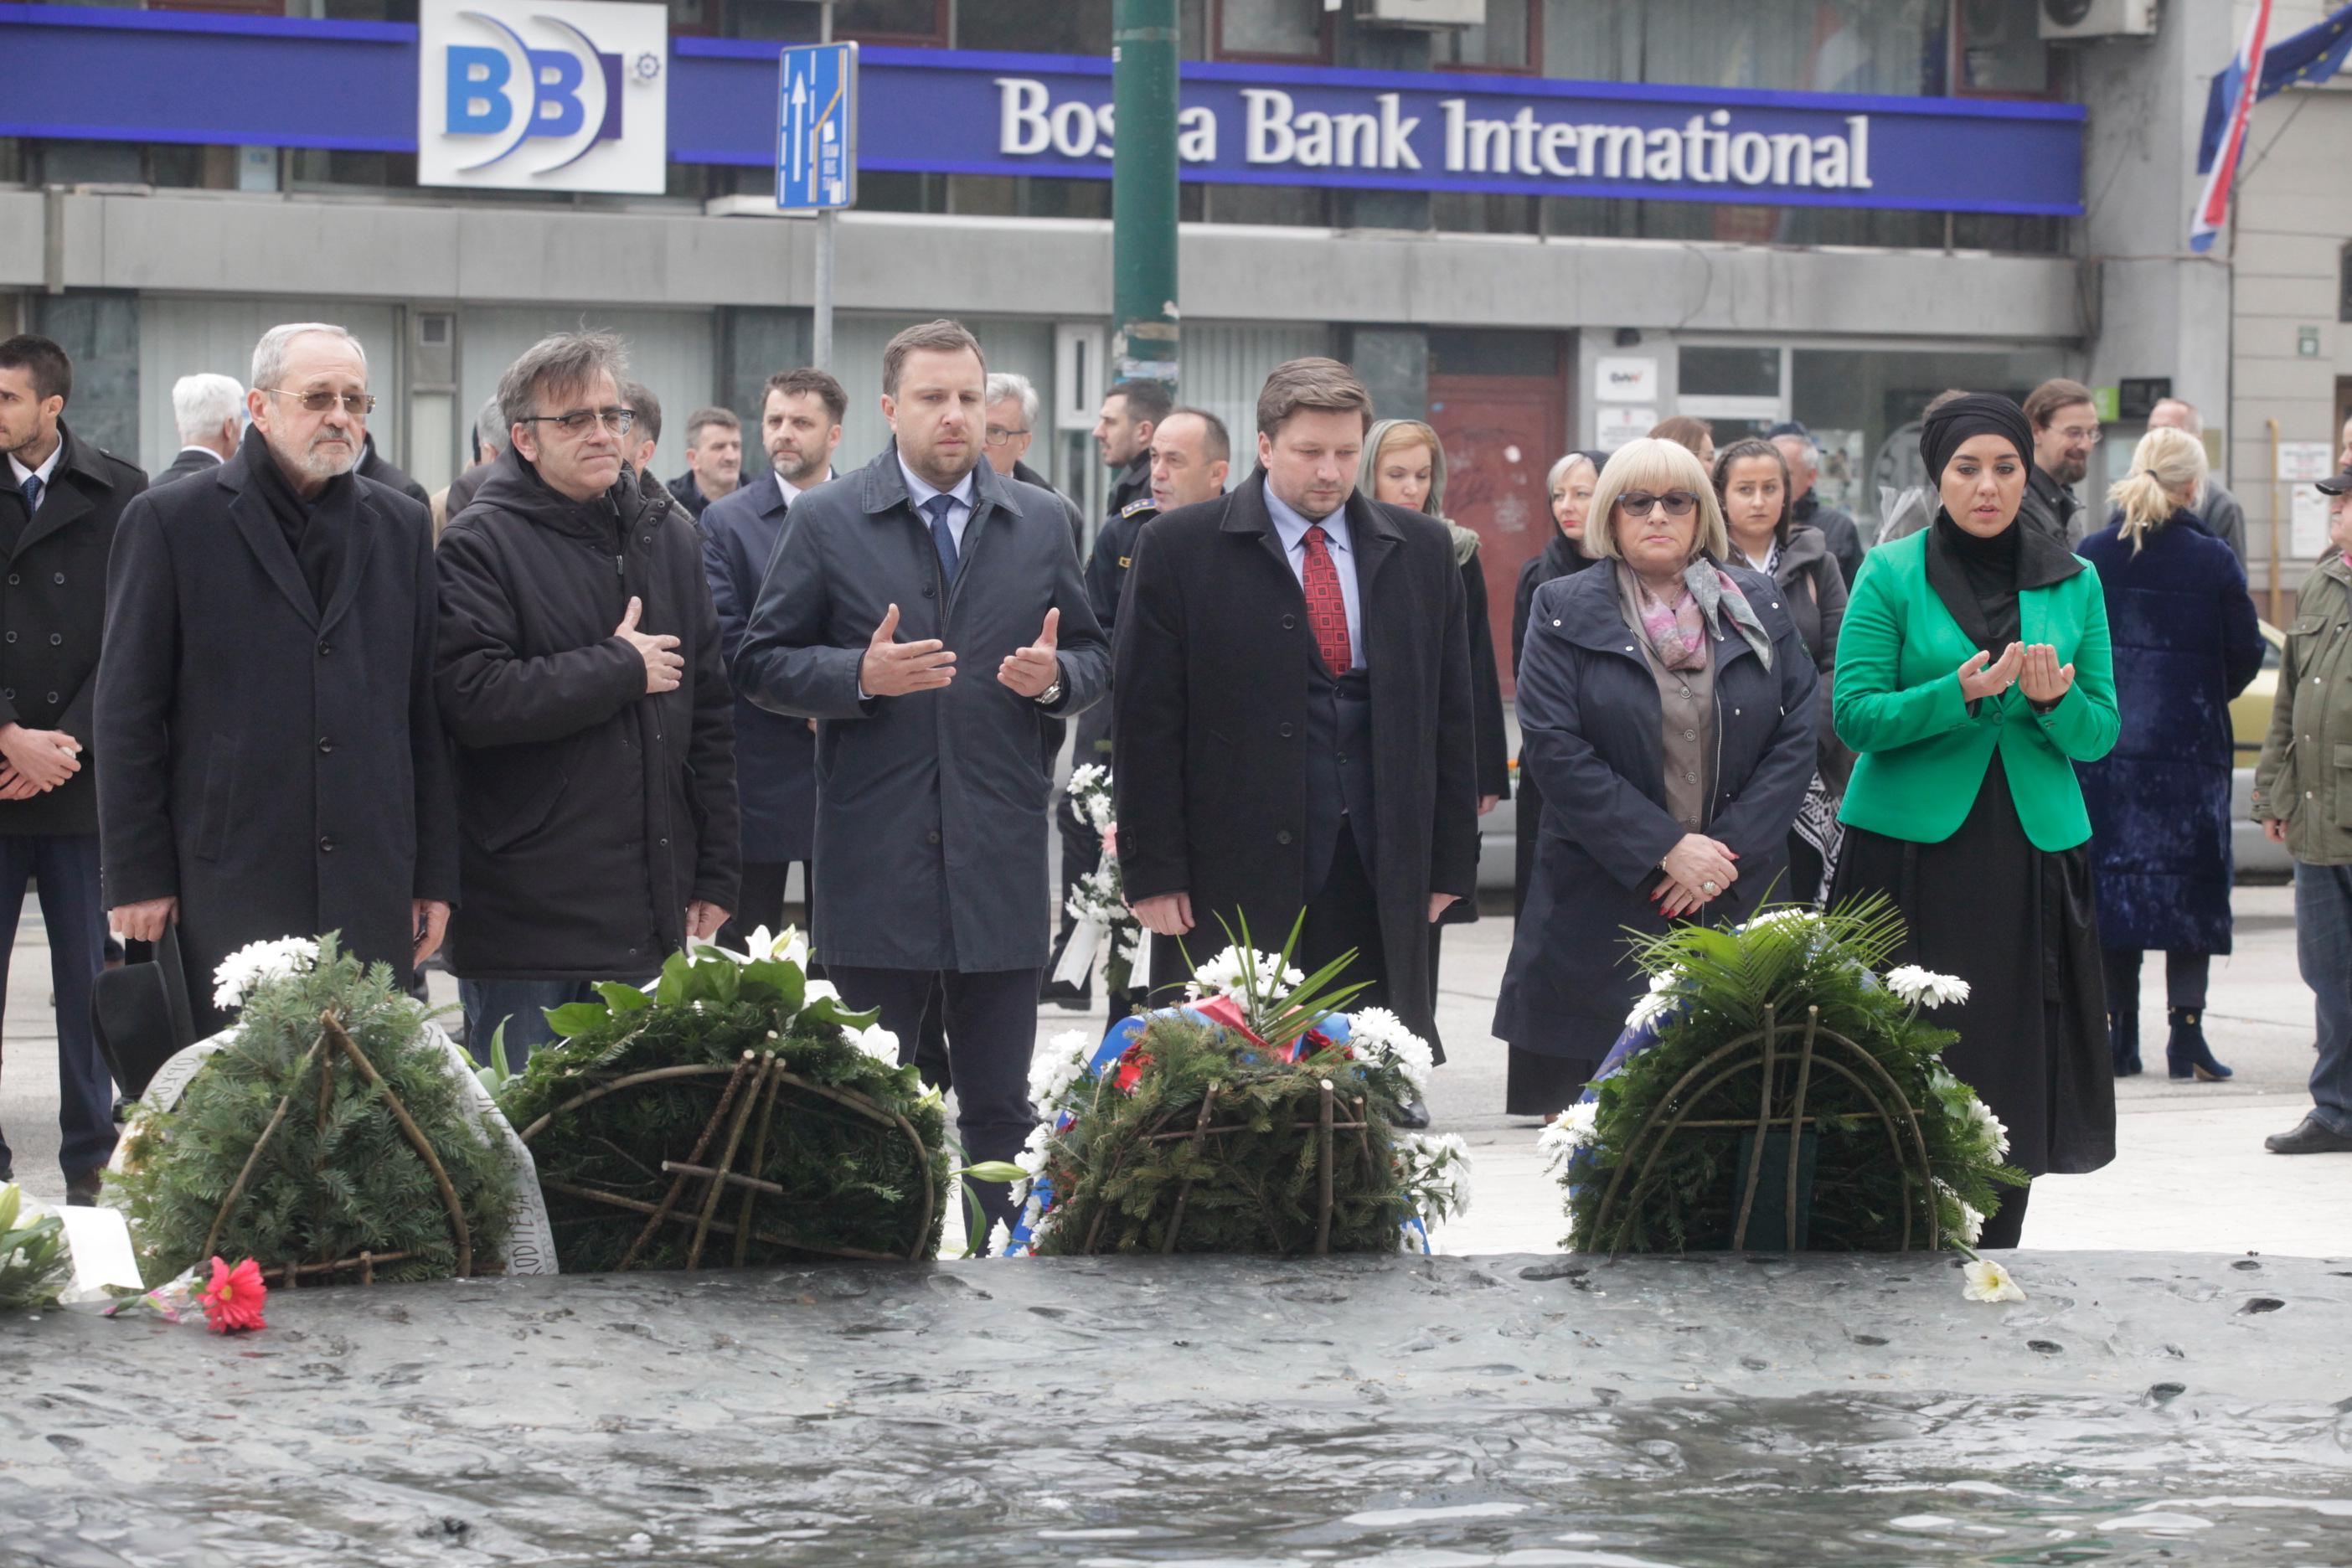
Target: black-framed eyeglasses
1641, 503
358, 404
619, 421
998, 434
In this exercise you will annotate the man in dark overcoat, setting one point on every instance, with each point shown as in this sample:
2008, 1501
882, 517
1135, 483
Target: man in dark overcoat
274, 763
925, 611
58, 516
775, 755
579, 672
1292, 692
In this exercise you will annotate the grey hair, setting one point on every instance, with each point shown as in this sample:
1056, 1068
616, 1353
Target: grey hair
1004, 384
2194, 423
270, 353
1797, 448
491, 432
202, 403
567, 359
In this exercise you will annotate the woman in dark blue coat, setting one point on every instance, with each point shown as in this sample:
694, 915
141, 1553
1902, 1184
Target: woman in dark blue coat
2185, 643
1667, 709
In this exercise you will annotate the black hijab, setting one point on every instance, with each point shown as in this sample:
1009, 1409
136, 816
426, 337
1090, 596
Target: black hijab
1979, 578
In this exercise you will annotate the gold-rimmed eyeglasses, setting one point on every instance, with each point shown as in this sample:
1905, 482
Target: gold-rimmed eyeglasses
358, 404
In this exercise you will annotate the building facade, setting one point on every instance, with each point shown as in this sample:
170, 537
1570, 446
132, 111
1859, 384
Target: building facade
1542, 230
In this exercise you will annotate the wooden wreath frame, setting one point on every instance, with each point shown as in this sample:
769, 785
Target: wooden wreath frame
752, 1086
1762, 1049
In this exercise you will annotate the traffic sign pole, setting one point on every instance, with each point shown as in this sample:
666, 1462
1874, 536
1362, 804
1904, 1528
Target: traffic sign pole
816, 156
821, 333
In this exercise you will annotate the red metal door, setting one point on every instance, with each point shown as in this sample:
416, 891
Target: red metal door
1502, 433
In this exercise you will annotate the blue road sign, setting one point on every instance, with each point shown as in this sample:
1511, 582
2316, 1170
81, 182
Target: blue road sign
817, 127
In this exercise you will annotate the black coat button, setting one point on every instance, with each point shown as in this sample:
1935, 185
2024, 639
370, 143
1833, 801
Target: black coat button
1289, 623
664, 842
59, 579
326, 844
926, 591
1285, 732
12, 636
14, 579
57, 639
325, 746
1283, 836
10, 694
325, 649
53, 697
932, 837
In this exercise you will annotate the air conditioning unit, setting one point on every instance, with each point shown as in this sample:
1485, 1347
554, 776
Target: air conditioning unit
2099, 19
1422, 12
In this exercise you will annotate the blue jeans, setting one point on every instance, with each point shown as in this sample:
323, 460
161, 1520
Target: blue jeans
72, 908
2322, 948
522, 1006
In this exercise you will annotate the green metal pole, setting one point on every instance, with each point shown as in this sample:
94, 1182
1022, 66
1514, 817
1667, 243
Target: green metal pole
1144, 38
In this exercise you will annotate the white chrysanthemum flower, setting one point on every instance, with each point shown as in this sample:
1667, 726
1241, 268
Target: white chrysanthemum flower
1649, 1006
1032, 1158
260, 962
1000, 1239
1573, 1128
878, 1043
1990, 1131
1436, 1173
1377, 1035
1923, 988
1972, 1221
1988, 1281
1227, 973
1793, 915
1062, 1062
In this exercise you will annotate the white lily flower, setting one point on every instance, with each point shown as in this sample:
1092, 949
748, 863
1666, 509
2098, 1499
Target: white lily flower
1988, 1281
877, 1042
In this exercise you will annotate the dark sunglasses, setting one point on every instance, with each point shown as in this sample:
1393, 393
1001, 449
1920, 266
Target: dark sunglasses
1641, 503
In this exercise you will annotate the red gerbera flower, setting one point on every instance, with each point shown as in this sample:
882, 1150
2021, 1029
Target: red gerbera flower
233, 1302
1131, 1063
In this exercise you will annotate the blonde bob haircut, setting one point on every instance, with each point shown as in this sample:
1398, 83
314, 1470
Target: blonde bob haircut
1655, 466
2167, 473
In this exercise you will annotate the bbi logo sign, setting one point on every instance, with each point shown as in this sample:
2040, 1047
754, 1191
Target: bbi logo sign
543, 95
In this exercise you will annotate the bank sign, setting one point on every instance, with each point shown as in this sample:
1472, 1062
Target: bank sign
1250, 124
543, 95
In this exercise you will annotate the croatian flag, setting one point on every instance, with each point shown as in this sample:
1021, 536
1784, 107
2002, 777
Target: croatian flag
2239, 87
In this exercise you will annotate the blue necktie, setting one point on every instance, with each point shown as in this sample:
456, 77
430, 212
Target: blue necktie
32, 489
942, 536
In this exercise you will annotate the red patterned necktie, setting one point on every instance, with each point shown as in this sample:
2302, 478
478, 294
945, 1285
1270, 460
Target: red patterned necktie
1326, 607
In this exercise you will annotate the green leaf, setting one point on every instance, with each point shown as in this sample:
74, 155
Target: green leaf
785, 981
831, 1010
574, 1018
622, 998
676, 987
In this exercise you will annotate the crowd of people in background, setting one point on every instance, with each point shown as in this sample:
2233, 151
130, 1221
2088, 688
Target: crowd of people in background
560, 719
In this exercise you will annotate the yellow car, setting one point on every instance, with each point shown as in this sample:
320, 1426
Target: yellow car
2250, 714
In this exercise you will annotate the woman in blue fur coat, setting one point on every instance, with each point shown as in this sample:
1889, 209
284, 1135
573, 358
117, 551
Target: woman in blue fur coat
2186, 642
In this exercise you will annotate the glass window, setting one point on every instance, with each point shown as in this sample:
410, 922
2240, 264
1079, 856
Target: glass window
1262, 29
890, 21
2000, 49
1862, 406
1792, 45
1730, 372
1505, 42
1033, 27
1293, 206
1480, 212
1466, 350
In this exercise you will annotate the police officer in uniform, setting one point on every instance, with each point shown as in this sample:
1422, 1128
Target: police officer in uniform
1188, 457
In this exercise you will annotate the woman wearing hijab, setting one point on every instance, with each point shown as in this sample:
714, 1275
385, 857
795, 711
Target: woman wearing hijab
1972, 676
1667, 711
2186, 642
1404, 465
1752, 481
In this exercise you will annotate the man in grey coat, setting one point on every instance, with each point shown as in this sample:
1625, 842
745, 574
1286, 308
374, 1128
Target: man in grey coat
928, 612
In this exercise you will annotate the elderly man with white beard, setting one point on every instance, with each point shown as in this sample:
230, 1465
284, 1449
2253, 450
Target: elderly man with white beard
275, 764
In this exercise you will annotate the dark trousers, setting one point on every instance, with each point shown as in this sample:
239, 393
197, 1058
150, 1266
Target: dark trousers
521, 1007
992, 1027
1343, 917
74, 911
2185, 976
2002, 1229
1081, 853
761, 903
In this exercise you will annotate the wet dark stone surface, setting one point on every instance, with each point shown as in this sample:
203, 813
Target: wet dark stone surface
1429, 1412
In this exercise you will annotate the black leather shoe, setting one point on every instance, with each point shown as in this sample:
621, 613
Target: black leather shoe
2310, 1137
1415, 1117
81, 1193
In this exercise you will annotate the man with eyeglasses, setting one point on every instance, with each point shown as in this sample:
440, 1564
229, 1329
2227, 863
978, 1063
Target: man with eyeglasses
1013, 410
577, 671
274, 760
2065, 428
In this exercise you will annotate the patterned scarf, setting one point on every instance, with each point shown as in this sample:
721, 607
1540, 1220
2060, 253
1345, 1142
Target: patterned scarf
1678, 633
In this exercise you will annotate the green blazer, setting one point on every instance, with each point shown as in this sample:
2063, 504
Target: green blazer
1922, 753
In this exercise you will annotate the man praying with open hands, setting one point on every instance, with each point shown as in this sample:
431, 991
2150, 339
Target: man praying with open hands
930, 615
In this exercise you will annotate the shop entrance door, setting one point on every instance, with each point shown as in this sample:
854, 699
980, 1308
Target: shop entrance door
1502, 433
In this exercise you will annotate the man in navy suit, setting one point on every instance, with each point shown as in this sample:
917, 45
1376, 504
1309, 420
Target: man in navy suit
775, 756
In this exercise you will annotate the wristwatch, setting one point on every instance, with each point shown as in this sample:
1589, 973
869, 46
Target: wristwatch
1050, 695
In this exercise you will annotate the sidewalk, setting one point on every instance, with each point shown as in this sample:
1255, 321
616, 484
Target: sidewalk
2191, 1175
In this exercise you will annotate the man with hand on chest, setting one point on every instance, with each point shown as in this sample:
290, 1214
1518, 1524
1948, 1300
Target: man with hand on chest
1292, 696
925, 611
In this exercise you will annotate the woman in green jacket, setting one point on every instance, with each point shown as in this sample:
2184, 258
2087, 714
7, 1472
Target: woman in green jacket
1972, 674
